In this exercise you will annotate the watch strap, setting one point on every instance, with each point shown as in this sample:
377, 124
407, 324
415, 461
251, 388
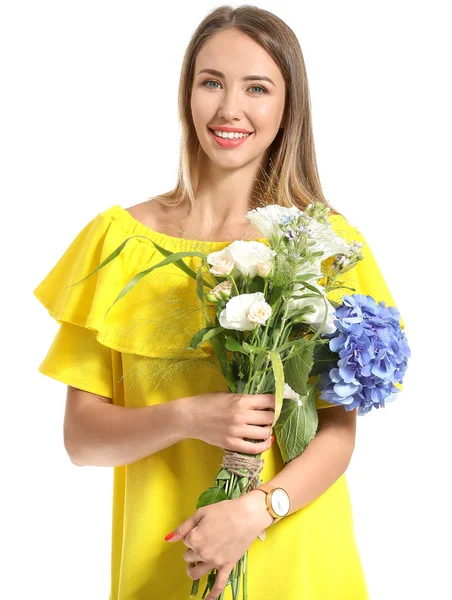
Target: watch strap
267, 488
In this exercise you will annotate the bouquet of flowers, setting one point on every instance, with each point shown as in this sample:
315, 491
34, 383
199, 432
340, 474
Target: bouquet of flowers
275, 331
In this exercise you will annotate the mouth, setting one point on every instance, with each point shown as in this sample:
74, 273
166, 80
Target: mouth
228, 142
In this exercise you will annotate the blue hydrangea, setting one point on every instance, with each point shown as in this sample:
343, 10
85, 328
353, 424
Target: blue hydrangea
373, 353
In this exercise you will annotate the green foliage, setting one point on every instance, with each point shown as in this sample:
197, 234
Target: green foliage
253, 349
203, 335
298, 367
276, 293
234, 345
224, 474
324, 359
297, 425
278, 372
243, 482
212, 495
200, 292
257, 284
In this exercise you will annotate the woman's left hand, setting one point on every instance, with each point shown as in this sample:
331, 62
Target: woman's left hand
219, 534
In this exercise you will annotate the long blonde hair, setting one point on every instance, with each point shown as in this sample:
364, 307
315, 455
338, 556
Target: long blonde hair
291, 176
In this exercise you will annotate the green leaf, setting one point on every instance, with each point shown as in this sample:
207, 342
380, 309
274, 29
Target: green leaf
298, 367
200, 292
324, 359
173, 258
294, 345
235, 493
212, 495
257, 284
194, 588
211, 578
180, 263
304, 277
313, 288
234, 345
243, 482
276, 294
176, 257
278, 372
298, 316
297, 425
253, 349
113, 255
224, 474
203, 335
218, 344
240, 386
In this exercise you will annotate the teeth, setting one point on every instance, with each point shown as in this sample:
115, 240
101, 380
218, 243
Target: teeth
230, 134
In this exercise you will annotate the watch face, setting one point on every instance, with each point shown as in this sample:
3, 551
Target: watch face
280, 502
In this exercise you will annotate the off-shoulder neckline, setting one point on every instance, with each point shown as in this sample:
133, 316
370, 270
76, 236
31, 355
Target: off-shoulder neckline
118, 212
163, 239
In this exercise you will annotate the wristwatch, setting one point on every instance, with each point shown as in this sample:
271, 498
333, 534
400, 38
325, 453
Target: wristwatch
277, 501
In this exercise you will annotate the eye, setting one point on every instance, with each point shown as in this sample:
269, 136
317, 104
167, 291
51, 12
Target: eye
264, 90
260, 87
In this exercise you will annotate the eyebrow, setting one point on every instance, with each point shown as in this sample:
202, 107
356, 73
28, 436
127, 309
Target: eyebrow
246, 78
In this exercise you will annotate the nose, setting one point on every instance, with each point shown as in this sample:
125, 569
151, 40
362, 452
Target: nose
230, 106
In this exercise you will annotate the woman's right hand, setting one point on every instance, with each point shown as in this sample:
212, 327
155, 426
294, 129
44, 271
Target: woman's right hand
229, 420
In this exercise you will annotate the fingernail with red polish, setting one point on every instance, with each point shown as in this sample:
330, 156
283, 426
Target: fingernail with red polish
169, 536
272, 439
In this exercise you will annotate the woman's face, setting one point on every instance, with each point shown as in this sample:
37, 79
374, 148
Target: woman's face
225, 99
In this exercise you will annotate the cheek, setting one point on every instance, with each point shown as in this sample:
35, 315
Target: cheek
201, 107
267, 114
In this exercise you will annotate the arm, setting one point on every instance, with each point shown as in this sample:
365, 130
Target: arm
99, 433
325, 459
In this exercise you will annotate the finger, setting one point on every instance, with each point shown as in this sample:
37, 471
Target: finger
185, 527
255, 447
199, 569
261, 401
259, 417
220, 581
258, 432
191, 556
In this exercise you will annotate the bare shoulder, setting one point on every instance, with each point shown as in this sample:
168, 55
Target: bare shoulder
149, 212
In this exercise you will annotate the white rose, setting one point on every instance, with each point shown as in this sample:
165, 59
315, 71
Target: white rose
245, 312
223, 266
264, 269
244, 255
259, 312
222, 290
315, 318
268, 218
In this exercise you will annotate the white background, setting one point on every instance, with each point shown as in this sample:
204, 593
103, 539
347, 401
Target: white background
89, 120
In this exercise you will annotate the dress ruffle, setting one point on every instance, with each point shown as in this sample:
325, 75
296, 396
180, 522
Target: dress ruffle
151, 319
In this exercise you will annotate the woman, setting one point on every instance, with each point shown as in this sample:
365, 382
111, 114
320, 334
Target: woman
161, 415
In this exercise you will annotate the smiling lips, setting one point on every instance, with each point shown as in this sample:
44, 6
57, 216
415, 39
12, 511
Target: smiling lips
228, 142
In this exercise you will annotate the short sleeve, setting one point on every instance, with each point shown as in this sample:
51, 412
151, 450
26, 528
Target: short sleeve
365, 278
370, 277
76, 358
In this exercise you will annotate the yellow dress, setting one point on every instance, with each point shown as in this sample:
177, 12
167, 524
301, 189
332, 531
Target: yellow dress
137, 356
